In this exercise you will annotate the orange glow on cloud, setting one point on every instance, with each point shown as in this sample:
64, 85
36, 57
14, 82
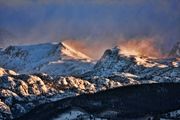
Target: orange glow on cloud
141, 47
145, 47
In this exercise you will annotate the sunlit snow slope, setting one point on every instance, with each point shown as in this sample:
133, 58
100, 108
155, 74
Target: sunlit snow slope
51, 58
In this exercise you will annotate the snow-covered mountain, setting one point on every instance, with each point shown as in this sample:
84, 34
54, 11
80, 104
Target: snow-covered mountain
139, 69
53, 71
51, 58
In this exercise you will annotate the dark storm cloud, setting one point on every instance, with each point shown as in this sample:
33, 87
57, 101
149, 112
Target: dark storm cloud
93, 20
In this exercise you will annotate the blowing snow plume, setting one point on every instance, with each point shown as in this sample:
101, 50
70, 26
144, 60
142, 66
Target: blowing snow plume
138, 47
144, 47
93, 49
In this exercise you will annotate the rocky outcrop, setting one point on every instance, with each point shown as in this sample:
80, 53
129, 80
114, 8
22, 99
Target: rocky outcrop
19, 93
5, 112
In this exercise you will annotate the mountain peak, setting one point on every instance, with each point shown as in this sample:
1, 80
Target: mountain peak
52, 58
44, 48
68, 50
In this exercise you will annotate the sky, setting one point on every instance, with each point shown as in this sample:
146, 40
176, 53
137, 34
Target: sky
91, 21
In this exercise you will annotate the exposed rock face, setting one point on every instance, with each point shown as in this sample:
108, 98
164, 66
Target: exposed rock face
21, 93
7, 72
5, 112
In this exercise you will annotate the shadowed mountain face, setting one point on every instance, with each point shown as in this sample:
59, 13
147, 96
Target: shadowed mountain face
134, 101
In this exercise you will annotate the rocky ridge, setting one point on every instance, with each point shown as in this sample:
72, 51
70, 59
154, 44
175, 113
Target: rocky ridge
20, 93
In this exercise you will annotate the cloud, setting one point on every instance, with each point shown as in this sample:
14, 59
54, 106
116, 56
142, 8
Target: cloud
97, 21
107, 2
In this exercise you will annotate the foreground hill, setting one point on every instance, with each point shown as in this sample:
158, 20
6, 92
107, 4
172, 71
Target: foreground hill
131, 102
